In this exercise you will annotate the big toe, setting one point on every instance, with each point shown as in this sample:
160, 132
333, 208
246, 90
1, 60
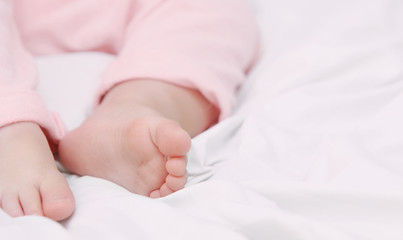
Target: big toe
57, 198
171, 139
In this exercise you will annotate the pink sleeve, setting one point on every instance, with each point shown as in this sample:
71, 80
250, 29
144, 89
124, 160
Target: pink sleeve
18, 99
208, 45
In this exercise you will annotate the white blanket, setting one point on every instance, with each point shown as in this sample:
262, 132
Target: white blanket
314, 149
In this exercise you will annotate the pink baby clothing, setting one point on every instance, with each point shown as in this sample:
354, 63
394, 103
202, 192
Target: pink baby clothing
207, 45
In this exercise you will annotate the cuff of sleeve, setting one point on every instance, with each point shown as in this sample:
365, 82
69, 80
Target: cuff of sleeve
27, 106
179, 70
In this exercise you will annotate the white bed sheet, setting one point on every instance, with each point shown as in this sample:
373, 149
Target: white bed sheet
313, 151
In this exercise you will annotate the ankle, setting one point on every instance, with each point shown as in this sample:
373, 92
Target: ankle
24, 135
18, 130
186, 106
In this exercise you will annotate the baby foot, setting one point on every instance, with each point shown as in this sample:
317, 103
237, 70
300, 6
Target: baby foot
30, 183
131, 145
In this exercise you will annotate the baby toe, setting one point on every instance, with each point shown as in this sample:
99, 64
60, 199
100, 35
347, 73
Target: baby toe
31, 202
176, 166
155, 194
176, 183
11, 205
57, 198
171, 139
165, 190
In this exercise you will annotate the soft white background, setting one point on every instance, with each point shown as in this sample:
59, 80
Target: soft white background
313, 151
